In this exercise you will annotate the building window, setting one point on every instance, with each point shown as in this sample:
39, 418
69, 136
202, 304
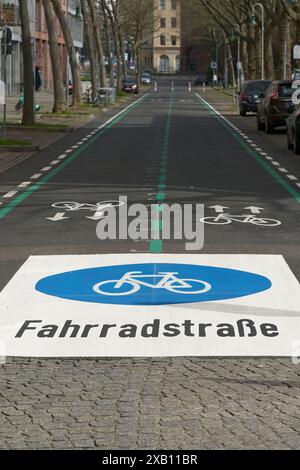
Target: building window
174, 22
163, 22
162, 40
173, 40
162, 4
173, 4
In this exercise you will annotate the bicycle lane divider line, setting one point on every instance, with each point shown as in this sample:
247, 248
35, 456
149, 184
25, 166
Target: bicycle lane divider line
156, 246
251, 151
70, 158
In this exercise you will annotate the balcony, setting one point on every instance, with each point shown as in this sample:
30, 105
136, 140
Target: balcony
9, 14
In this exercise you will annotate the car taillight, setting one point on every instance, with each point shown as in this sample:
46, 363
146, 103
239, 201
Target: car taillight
274, 96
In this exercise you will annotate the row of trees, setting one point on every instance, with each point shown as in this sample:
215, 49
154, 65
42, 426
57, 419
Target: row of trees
227, 19
109, 27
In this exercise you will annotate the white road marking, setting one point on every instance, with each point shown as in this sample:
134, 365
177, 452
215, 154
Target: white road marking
36, 176
46, 168
255, 210
24, 184
283, 170
58, 217
292, 177
265, 323
10, 194
55, 162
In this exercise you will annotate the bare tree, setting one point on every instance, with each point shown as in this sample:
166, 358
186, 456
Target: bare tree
63, 20
59, 104
90, 46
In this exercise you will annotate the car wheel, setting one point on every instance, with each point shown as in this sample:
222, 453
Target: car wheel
260, 125
269, 128
296, 143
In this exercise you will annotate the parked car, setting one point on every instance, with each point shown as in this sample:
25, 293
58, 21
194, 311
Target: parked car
201, 78
293, 129
130, 85
272, 110
250, 95
146, 78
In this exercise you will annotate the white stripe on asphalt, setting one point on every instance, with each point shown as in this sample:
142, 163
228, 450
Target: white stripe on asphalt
24, 184
10, 194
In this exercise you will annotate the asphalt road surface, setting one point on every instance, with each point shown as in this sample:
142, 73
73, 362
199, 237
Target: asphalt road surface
168, 147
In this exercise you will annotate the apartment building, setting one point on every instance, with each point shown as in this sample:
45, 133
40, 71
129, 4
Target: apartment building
10, 16
167, 36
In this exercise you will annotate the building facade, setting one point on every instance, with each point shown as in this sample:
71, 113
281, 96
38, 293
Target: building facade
167, 36
9, 16
162, 51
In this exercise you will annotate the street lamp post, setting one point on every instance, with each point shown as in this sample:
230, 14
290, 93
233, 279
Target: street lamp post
253, 18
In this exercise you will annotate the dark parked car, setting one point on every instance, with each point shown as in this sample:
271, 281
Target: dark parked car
130, 85
250, 95
293, 129
273, 109
201, 78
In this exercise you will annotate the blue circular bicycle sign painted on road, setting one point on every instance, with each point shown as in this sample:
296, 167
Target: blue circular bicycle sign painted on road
153, 284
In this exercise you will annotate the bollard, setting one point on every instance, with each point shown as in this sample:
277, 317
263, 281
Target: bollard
190, 87
172, 87
155, 86
203, 87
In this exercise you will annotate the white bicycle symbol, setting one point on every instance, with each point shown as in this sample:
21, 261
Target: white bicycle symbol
226, 219
132, 281
77, 206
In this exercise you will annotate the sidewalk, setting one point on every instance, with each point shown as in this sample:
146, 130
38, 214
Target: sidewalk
222, 100
49, 129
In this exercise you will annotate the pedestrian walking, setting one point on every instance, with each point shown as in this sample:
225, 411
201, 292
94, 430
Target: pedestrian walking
38, 78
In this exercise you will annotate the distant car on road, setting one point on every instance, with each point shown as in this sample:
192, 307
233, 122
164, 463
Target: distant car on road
273, 109
201, 78
146, 78
130, 85
293, 129
251, 94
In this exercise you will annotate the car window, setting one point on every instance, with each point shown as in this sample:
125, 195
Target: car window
257, 86
286, 90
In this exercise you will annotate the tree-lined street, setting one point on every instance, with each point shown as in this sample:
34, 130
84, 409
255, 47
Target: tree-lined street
162, 147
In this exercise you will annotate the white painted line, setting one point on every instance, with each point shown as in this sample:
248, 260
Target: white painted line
37, 176
47, 168
61, 157
55, 162
24, 184
292, 177
283, 170
298, 184
69, 151
275, 163
268, 158
10, 194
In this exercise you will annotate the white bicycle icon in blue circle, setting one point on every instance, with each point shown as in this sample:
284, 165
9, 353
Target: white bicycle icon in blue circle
132, 282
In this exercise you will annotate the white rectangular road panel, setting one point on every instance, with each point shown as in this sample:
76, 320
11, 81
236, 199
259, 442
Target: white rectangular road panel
264, 323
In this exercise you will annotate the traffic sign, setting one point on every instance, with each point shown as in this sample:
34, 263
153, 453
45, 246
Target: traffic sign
214, 65
188, 305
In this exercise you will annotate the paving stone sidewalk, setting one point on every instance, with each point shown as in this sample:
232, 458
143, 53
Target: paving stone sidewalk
164, 404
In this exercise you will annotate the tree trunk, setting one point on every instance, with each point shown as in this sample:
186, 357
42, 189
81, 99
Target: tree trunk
59, 105
62, 18
28, 110
258, 38
108, 48
269, 57
251, 53
90, 48
99, 46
